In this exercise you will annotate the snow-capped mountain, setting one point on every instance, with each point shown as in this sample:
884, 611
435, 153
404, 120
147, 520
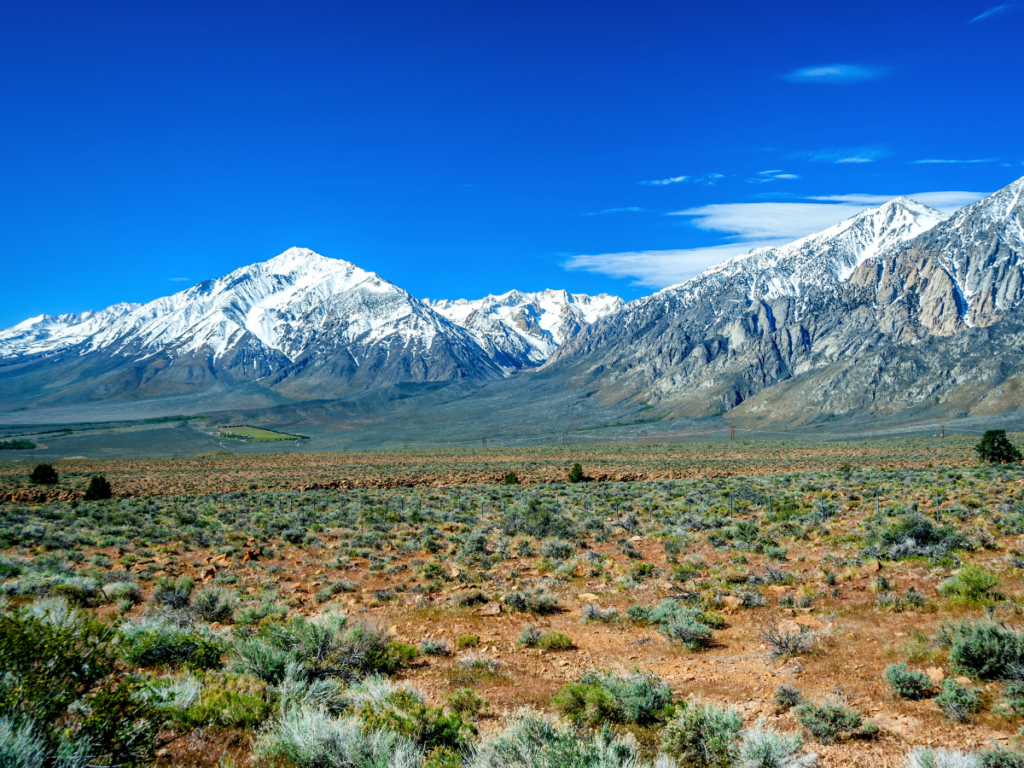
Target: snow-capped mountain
520, 330
300, 323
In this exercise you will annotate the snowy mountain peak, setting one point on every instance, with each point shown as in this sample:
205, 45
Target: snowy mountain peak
526, 327
823, 260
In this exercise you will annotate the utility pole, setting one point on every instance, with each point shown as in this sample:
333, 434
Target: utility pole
485, 442
943, 432
732, 434
565, 439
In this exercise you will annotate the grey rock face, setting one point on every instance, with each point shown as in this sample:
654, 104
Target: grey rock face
882, 313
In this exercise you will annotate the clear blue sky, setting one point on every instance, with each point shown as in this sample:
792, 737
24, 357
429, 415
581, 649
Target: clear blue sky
460, 149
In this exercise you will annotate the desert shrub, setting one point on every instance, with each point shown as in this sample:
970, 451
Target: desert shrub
511, 478
555, 641
557, 550
432, 647
1001, 758
122, 590
996, 448
1013, 698
214, 604
466, 703
529, 636
640, 614
764, 747
916, 536
62, 694
702, 735
155, 641
251, 616
479, 662
533, 741
540, 602
972, 585
906, 683
404, 712
594, 612
20, 747
782, 641
983, 650
467, 641
828, 721
691, 634
98, 489
958, 702
43, 474
228, 701
599, 697
787, 697
312, 738
942, 758
173, 594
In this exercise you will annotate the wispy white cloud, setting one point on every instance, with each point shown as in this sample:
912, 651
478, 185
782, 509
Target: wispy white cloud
835, 73
663, 182
772, 175
178, 279
989, 13
632, 209
746, 226
769, 221
657, 269
943, 201
840, 155
957, 162
707, 178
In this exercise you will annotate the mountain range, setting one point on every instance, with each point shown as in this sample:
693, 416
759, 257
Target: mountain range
900, 309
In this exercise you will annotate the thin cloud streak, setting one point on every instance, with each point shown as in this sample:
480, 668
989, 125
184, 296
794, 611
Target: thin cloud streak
840, 155
178, 279
769, 221
663, 182
658, 269
953, 162
835, 73
947, 202
632, 209
995, 10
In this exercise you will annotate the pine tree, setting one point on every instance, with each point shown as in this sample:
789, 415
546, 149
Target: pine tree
576, 474
511, 478
996, 448
99, 488
43, 474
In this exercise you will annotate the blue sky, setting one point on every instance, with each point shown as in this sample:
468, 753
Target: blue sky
460, 149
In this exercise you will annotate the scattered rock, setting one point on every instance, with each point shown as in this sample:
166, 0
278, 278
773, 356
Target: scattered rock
935, 674
962, 680
869, 568
587, 597
731, 601
808, 622
491, 609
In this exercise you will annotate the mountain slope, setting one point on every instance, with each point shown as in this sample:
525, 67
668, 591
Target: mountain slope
301, 323
521, 330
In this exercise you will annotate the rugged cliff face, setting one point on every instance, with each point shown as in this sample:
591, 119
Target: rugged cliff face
894, 309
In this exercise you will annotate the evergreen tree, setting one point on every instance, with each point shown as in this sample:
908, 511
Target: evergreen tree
996, 448
576, 474
511, 478
99, 488
43, 474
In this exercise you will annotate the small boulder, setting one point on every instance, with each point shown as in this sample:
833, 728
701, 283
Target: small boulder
491, 609
935, 674
587, 597
731, 601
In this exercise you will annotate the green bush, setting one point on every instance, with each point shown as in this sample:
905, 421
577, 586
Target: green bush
540, 602
214, 604
996, 448
1001, 758
906, 683
467, 641
555, 641
173, 594
958, 702
511, 478
575, 474
972, 585
158, 642
787, 697
702, 736
403, 712
557, 550
828, 721
529, 636
98, 489
691, 634
983, 650
600, 697
43, 474
61, 680
466, 703
433, 647
226, 702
